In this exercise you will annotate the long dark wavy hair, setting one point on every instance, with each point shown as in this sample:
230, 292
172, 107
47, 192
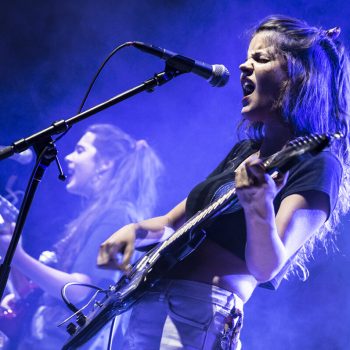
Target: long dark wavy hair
314, 99
133, 186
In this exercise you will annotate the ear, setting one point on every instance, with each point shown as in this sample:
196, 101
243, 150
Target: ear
104, 166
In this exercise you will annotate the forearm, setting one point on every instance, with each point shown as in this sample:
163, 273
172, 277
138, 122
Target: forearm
153, 229
265, 252
49, 279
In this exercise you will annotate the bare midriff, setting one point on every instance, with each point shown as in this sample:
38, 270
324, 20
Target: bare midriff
213, 264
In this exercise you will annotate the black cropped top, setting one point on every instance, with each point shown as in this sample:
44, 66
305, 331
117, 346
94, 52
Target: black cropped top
314, 173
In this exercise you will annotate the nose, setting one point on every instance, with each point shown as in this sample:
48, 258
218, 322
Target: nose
69, 157
246, 67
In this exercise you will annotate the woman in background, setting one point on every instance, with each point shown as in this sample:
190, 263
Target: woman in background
116, 177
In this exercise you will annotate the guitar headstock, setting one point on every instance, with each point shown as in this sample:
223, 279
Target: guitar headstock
313, 143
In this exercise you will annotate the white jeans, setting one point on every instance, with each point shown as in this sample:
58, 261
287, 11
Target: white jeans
178, 314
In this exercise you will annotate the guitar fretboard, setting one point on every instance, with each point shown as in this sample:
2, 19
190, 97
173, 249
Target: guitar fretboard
201, 216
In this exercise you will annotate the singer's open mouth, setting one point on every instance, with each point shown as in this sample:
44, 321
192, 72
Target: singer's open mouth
70, 173
248, 87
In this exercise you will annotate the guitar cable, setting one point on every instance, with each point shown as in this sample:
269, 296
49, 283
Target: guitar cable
79, 311
70, 305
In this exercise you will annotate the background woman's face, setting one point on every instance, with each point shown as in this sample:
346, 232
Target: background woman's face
82, 166
262, 76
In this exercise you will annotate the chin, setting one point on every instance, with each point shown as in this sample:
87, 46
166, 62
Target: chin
70, 187
250, 115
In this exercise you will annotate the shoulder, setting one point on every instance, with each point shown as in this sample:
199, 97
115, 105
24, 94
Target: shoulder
320, 173
322, 160
323, 168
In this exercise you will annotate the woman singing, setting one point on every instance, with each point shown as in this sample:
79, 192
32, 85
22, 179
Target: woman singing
116, 177
295, 81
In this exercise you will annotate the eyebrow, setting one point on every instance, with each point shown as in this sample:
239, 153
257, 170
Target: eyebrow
262, 51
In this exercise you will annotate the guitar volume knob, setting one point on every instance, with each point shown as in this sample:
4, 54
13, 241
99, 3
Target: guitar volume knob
71, 328
81, 319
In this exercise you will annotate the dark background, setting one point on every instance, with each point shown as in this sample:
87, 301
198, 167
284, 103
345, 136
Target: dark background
49, 51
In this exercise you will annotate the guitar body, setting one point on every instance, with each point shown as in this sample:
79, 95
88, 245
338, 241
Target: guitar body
158, 261
17, 314
145, 273
15, 309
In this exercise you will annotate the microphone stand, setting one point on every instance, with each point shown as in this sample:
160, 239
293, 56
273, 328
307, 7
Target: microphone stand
46, 153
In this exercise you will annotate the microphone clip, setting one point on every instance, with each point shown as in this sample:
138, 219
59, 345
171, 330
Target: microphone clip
163, 77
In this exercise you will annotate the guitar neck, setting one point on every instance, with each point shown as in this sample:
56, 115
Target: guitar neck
200, 218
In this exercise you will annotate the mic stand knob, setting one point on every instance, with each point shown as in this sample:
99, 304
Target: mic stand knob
61, 175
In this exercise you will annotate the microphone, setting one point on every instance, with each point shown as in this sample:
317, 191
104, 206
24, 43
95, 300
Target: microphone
24, 157
217, 74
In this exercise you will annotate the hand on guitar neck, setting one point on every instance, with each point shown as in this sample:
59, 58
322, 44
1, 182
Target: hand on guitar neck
252, 177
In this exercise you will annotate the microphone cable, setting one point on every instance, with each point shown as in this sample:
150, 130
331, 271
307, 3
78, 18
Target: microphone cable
113, 52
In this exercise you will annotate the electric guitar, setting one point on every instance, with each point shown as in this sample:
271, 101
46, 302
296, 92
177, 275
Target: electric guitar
148, 270
14, 315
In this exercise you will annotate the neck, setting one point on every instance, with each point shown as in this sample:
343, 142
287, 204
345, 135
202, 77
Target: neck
276, 136
101, 185
90, 197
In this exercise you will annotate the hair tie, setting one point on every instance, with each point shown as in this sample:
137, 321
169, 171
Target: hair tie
141, 144
333, 33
